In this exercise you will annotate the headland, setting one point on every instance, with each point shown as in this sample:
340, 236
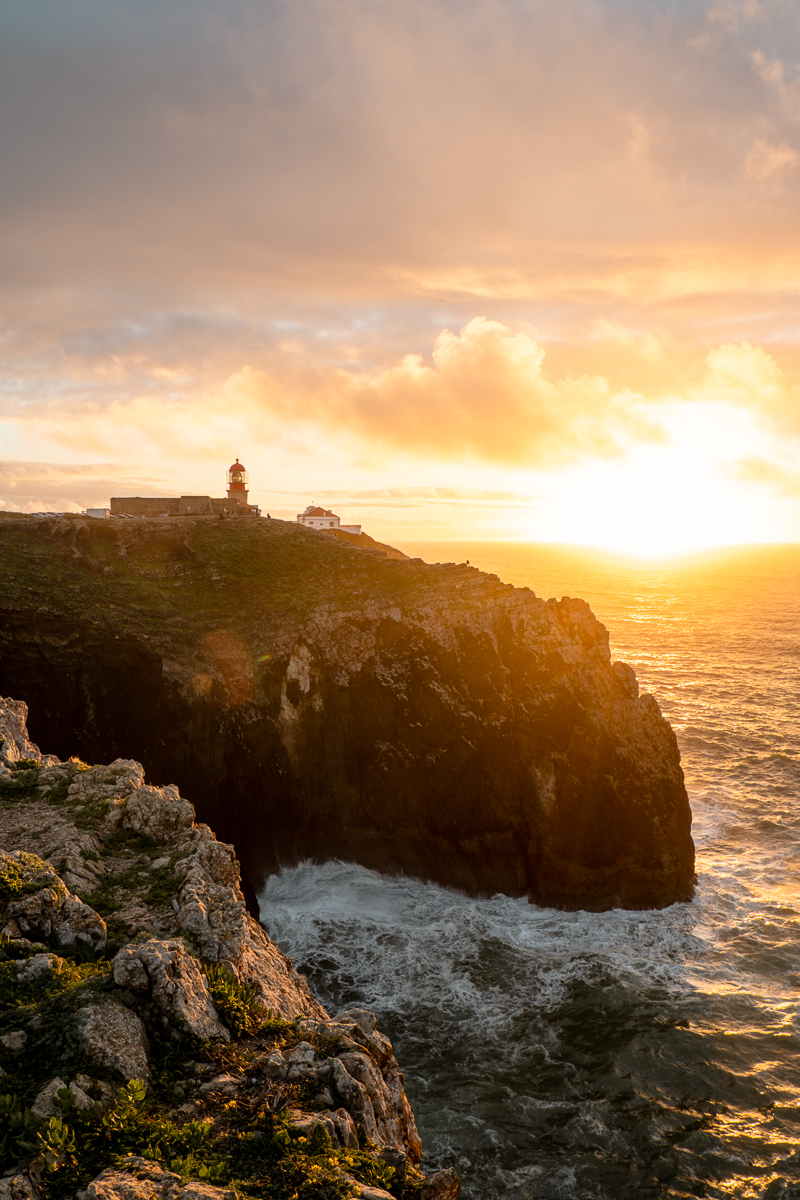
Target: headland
318, 699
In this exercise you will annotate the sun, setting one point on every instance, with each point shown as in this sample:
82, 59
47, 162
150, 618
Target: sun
664, 499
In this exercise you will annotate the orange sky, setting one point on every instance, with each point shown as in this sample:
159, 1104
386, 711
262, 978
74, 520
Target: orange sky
487, 268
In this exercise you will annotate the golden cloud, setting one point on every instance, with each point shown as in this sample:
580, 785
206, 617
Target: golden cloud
483, 396
770, 475
747, 376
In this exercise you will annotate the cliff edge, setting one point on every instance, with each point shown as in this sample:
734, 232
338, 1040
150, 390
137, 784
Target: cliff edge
320, 700
154, 1043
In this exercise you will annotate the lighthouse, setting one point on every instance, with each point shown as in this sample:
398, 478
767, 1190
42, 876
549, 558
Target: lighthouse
237, 487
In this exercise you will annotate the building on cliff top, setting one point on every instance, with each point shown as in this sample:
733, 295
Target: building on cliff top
322, 518
234, 504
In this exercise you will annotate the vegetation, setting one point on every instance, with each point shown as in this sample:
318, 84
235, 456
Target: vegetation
246, 1143
250, 577
24, 875
237, 1005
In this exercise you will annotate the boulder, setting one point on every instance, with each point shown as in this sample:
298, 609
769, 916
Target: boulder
444, 1185
114, 1037
44, 1105
55, 912
141, 1179
14, 1042
178, 986
157, 813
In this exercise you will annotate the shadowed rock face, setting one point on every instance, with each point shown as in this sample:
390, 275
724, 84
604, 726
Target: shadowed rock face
429, 720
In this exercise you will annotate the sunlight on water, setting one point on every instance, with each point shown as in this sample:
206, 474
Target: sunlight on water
621, 1054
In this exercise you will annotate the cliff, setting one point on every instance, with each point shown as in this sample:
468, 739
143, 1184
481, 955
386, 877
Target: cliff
317, 699
153, 1040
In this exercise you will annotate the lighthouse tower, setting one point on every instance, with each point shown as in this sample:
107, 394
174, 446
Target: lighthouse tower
237, 487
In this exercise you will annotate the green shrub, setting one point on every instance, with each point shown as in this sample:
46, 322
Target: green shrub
237, 1005
24, 875
18, 1132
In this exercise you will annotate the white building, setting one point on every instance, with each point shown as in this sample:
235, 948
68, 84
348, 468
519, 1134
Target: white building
321, 518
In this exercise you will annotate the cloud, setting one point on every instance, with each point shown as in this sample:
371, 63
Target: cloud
482, 397
769, 475
748, 376
731, 13
766, 161
773, 74
404, 495
347, 147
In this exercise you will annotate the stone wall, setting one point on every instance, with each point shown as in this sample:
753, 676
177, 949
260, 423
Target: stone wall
157, 506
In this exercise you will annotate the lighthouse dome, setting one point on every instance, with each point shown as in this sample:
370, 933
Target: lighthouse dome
237, 466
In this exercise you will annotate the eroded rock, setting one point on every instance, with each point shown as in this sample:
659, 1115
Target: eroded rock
178, 985
15, 745
345, 1066
141, 1179
52, 913
157, 813
114, 1037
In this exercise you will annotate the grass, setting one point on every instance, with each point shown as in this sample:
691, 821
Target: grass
272, 575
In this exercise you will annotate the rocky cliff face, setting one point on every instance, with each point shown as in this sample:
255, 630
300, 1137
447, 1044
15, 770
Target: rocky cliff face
153, 1041
319, 700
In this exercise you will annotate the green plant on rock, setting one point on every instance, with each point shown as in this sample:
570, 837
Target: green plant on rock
235, 1002
24, 875
56, 1145
18, 1132
22, 786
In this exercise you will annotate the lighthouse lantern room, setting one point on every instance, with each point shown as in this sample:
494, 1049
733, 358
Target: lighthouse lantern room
237, 486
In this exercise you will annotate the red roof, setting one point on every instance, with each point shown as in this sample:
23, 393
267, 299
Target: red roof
318, 512
237, 466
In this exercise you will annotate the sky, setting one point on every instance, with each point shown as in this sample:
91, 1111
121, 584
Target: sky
458, 269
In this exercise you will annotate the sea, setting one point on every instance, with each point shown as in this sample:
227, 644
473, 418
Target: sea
621, 1054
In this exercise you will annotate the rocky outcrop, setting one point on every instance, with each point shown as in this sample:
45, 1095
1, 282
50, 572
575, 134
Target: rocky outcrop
494, 748
174, 972
318, 700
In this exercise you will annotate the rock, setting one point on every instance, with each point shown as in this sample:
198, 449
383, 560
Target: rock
141, 1179
444, 1185
159, 977
14, 1042
114, 1037
178, 985
18, 1187
367, 1191
15, 745
211, 907
157, 813
39, 966
226, 1085
44, 1105
355, 1099
496, 748
424, 719
55, 912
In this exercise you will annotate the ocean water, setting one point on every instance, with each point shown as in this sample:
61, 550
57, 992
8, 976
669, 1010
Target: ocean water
620, 1054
